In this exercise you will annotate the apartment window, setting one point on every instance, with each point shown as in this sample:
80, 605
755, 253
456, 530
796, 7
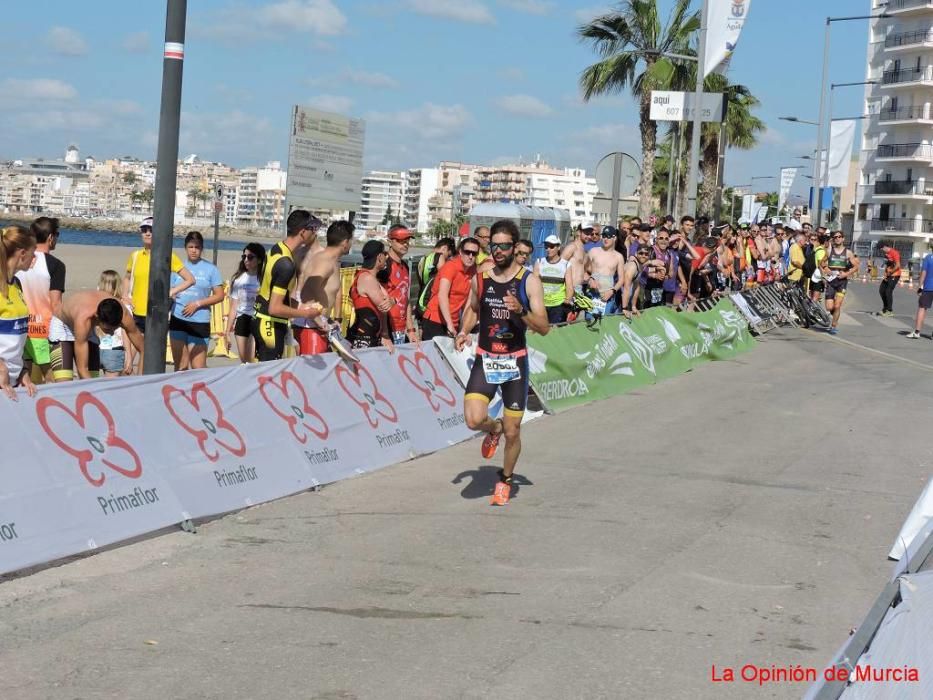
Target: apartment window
862, 212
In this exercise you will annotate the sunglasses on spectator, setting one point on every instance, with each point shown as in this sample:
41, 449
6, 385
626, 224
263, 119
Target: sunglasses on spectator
523, 252
838, 238
608, 235
662, 238
146, 229
552, 245
501, 246
472, 253
247, 256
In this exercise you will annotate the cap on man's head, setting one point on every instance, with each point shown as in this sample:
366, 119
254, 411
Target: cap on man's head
399, 233
146, 222
609, 232
588, 225
371, 249
552, 240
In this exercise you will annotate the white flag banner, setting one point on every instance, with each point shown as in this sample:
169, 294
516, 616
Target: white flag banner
759, 212
723, 25
788, 175
747, 201
841, 140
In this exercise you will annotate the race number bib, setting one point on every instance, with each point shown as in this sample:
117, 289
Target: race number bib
500, 369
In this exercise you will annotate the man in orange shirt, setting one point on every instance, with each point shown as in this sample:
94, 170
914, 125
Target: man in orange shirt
450, 292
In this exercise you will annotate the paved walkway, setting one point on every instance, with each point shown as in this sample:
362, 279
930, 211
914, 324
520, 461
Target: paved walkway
737, 514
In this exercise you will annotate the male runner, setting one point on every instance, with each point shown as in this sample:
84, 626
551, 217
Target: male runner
82, 312
273, 305
892, 275
842, 264
508, 301
605, 266
395, 277
43, 285
319, 284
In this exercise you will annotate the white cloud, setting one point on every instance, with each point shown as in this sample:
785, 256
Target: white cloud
121, 107
331, 103
430, 121
212, 135
531, 7
585, 15
66, 41
13, 90
369, 78
524, 106
137, 42
470, 11
512, 73
242, 23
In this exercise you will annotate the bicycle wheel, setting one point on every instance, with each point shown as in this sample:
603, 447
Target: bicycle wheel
818, 314
798, 307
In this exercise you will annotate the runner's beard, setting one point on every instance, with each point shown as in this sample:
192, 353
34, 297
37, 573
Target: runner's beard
505, 264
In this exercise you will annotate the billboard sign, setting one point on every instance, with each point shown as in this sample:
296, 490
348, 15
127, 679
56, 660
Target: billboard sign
325, 160
668, 106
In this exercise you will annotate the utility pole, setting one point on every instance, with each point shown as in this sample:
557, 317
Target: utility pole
697, 115
157, 310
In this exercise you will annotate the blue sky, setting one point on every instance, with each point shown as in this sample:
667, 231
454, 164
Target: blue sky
484, 81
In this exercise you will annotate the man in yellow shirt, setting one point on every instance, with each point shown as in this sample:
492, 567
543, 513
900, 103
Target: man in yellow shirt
136, 279
797, 257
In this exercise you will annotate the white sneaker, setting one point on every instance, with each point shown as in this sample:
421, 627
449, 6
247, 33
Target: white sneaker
913, 334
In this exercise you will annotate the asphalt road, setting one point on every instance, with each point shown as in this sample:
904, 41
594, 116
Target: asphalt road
739, 514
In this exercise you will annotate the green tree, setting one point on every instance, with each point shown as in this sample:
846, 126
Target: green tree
387, 218
630, 40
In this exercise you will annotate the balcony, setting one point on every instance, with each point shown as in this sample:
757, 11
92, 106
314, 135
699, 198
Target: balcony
903, 188
908, 39
902, 225
905, 7
907, 77
914, 113
922, 152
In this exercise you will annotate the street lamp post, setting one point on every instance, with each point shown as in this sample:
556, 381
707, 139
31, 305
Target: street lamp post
818, 171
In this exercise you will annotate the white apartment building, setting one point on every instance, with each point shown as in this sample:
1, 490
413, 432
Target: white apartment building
894, 200
420, 187
571, 190
381, 192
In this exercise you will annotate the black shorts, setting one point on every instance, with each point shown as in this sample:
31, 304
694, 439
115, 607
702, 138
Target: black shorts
189, 332
140, 323
818, 286
514, 393
926, 300
243, 326
836, 287
270, 338
431, 329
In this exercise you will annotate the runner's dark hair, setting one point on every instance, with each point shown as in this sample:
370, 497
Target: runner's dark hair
196, 237
448, 243
468, 239
339, 232
110, 312
43, 228
505, 226
299, 220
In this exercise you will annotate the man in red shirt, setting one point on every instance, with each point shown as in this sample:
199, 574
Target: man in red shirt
892, 274
396, 280
450, 292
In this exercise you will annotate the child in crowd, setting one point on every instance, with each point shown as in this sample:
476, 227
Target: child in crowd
114, 360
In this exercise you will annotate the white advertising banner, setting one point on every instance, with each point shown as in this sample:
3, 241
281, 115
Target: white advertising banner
788, 175
462, 364
841, 141
325, 161
668, 106
747, 201
724, 23
95, 462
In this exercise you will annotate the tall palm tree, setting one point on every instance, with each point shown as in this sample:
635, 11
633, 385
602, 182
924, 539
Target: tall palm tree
741, 130
632, 39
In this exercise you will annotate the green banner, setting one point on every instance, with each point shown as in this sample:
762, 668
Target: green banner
574, 364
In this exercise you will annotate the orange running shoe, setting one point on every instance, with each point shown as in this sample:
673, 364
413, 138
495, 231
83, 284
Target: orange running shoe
500, 496
491, 442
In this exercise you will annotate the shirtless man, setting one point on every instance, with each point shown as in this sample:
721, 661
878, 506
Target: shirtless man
631, 281
319, 282
605, 265
82, 313
574, 253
